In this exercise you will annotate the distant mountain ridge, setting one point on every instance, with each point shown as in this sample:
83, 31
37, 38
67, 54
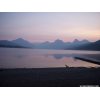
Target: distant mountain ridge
91, 46
6, 43
57, 44
22, 42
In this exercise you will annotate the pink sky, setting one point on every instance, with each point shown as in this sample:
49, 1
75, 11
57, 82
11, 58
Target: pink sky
50, 26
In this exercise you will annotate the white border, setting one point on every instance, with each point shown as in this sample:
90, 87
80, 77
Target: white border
49, 5
49, 93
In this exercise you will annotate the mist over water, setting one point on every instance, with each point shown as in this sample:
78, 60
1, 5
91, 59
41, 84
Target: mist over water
40, 58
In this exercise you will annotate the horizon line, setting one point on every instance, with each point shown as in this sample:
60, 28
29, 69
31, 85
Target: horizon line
48, 40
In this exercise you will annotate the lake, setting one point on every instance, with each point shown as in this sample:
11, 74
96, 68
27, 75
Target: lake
40, 58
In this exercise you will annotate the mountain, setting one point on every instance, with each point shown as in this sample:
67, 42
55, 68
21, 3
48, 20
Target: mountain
90, 46
6, 43
59, 44
85, 41
44, 45
22, 42
76, 43
58, 41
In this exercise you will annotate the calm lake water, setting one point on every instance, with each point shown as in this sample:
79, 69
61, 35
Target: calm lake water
37, 58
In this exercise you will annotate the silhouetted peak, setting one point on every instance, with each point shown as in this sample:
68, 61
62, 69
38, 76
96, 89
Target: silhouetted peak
76, 40
85, 41
98, 41
47, 42
4, 41
58, 41
20, 39
22, 42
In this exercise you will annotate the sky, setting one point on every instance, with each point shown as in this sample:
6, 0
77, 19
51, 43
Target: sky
49, 26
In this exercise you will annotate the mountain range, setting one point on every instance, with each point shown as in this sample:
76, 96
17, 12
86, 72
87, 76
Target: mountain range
10, 44
90, 46
22, 42
57, 44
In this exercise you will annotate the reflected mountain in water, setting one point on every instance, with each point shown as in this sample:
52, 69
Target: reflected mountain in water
20, 56
95, 59
60, 56
37, 58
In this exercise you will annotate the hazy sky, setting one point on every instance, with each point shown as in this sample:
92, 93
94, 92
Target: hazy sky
50, 26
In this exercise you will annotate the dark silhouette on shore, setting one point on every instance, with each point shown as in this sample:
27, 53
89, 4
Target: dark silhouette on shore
88, 60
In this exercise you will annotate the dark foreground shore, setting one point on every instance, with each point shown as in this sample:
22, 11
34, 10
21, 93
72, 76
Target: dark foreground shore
50, 77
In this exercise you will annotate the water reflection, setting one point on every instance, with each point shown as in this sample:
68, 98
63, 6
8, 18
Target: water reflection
20, 56
30, 58
60, 56
94, 56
